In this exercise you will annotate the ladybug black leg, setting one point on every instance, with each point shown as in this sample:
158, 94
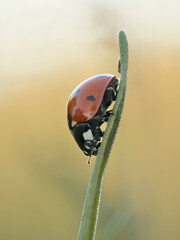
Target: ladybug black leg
108, 114
114, 87
98, 134
100, 119
105, 117
109, 96
97, 148
113, 92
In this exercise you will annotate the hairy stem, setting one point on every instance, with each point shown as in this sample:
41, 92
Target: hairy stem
90, 212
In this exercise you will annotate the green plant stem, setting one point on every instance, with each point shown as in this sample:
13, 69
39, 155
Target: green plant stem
90, 212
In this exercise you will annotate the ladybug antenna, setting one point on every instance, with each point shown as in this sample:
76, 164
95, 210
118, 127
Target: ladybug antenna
89, 160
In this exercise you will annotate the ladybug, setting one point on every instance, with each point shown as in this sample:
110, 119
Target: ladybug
87, 110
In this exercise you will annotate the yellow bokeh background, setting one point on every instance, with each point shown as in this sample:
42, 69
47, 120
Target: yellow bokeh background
46, 49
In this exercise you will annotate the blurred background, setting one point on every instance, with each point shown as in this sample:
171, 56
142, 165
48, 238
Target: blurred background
46, 49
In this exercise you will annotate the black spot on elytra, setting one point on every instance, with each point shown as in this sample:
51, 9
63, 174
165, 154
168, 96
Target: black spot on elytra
91, 98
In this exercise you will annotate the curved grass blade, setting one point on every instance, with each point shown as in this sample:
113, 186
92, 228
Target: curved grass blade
90, 212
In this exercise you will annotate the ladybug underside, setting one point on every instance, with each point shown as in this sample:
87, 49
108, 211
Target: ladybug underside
88, 134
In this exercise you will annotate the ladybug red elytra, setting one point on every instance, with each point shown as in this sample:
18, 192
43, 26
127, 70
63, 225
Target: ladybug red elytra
87, 110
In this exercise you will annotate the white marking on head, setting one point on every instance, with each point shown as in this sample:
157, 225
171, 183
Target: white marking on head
73, 123
88, 135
